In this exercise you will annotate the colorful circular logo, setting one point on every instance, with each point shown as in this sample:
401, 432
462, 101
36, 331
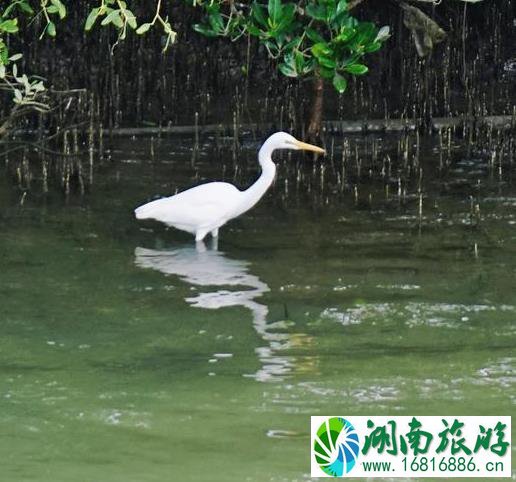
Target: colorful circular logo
336, 446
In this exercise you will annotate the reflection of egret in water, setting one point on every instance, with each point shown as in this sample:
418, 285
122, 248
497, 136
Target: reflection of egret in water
211, 268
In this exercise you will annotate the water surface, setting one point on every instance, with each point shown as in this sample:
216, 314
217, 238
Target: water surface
128, 354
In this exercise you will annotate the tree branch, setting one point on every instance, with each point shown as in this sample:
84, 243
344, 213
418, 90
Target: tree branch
354, 3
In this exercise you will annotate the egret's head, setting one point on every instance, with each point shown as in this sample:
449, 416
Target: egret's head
282, 140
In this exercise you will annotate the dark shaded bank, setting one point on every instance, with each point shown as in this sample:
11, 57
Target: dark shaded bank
202, 80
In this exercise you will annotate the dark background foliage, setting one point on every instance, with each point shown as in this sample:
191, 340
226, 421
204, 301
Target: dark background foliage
135, 84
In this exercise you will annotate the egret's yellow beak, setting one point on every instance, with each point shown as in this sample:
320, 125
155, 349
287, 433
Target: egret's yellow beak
310, 147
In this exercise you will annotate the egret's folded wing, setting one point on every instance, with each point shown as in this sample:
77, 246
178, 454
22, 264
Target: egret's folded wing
194, 207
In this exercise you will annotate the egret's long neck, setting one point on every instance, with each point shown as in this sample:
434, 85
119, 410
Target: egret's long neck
252, 195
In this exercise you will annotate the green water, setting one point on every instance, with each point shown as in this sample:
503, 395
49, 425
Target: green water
127, 355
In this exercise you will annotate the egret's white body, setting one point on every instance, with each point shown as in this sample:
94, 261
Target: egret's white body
204, 209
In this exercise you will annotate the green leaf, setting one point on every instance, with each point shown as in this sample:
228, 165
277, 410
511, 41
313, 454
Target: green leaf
293, 44
61, 9
345, 34
327, 62
340, 83
300, 61
338, 11
7, 11
259, 14
130, 18
15, 57
274, 7
356, 69
314, 35
342, 7
324, 55
373, 47
168, 28
321, 49
198, 27
327, 73
216, 22
21, 4
310, 66
287, 70
114, 18
4, 60
350, 22
366, 32
118, 21
253, 30
9, 26
144, 27
290, 60
317, 12
92, 18
24, 6
51, 29
287, 16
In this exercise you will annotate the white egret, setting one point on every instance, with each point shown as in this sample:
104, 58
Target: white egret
204, 209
